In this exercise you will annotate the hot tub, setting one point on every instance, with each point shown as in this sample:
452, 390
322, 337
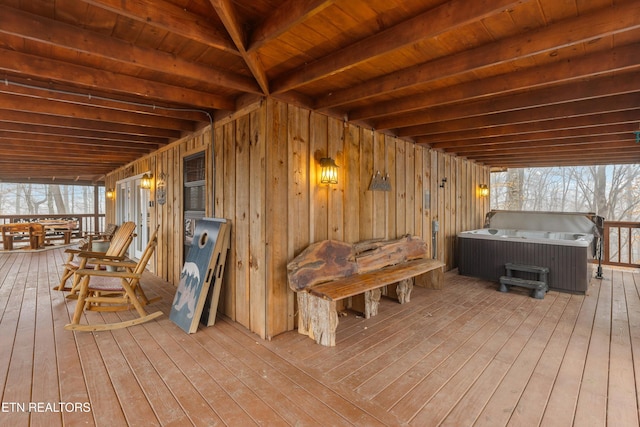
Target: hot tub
567, 253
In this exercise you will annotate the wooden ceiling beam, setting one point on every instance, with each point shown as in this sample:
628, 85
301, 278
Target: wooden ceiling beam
74, 97
577, 157
449, 16
587, 149
9, 139
585, 28
583, 90
575, 161
589, 107
557, 137
169, 17
27, 155
485, 147
54, 33
85, 125
99, 137
617, 60
583, 122
285, 17
41, 68
50, 168
236, 28
57, 108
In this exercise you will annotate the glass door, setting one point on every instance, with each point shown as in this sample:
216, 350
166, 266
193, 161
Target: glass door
132, 204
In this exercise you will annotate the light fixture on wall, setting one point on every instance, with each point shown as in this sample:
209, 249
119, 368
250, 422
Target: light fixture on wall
110, 194
145, 181
484, 190
329, 171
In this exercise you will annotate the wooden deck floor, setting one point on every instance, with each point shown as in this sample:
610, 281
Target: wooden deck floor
465, 355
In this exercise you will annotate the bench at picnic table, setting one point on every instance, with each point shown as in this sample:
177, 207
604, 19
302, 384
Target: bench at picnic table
22, 231
331, 271
59, 229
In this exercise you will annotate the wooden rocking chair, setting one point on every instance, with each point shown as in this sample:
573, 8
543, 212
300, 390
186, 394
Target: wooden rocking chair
78, 258
87, 241
102, 290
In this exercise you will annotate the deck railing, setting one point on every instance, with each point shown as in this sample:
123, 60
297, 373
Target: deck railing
621, 243
91, 223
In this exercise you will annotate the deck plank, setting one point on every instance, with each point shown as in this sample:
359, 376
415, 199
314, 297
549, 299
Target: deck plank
561, 406
530, 408
460, 361
443, 346
465, 394
71, 385
592, 401
44, 347
402, 358
622, 396
20, 311
504, 400
632, 294
462, 355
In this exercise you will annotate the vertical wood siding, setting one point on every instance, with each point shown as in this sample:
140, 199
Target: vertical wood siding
264, 177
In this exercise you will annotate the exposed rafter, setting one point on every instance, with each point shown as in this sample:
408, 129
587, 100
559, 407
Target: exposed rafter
447, 17
234, 25
501, 82
169, 17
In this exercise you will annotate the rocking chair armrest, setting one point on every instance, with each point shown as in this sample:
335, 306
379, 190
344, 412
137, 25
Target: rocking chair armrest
115, 262
109, 258
104, 273
90, 254
72, 251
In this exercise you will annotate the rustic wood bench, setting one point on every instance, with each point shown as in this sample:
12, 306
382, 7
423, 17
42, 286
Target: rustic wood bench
22, 231
331, 271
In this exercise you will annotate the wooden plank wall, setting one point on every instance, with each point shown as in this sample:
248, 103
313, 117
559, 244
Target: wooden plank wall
264, 177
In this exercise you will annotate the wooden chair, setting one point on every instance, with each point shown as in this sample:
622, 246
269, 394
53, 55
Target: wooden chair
86, 243
78, 259
103, 290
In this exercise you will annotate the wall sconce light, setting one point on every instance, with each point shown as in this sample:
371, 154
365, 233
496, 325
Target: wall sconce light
110, 194
484, 190
329, 172
145, 181
161, 191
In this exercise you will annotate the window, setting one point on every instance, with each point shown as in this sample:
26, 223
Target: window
194, 195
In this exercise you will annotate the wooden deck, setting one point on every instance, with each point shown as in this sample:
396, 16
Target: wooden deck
465, 355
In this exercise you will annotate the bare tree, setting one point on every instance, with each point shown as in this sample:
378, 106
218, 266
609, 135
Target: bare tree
56, 196
612, 191
514, 195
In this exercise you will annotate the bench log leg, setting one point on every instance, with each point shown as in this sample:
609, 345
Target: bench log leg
433, 279
403, 290
371, 302
317, 318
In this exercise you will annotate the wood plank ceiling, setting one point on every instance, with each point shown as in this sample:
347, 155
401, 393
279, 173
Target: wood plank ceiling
89, 85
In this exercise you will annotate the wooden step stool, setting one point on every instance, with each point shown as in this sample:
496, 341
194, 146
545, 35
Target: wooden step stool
538, 287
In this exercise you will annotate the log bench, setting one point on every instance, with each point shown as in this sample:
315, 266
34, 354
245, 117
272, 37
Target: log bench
331, 271
22, 231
